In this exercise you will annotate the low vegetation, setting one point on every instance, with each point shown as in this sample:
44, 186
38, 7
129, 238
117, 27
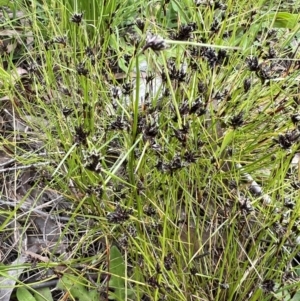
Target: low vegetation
149, 150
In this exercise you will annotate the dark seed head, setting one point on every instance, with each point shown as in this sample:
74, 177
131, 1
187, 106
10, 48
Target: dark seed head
67, 111
155, 42
295, 118
268, 286
81, 70
247, 85
237, 120
140, 24
77, 18
252, 63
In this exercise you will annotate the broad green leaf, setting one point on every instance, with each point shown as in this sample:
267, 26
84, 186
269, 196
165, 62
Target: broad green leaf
117, 270
116, 295
76, 287
24, 295
296, 297
284, 19
226, 141
117, 281
43, 294
114, 42
176, 7
122, 65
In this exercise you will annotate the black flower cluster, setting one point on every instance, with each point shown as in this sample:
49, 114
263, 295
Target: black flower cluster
214, 57
119, 215
288, 139
185, 32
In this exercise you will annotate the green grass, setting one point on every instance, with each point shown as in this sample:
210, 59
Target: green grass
158, 192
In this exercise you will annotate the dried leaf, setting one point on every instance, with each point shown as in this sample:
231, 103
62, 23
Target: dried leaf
8, 280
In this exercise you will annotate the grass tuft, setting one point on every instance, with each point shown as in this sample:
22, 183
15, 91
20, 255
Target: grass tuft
150, 150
